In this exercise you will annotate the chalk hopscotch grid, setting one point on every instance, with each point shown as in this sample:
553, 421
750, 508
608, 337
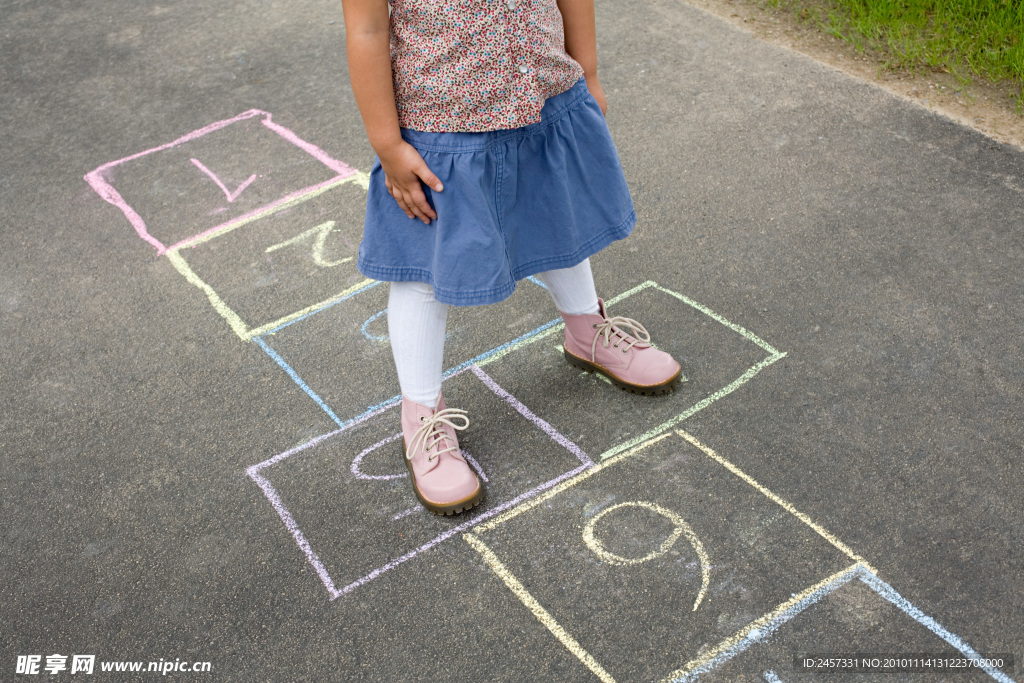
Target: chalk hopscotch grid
752, 633
255, 473
477, 363
104, 189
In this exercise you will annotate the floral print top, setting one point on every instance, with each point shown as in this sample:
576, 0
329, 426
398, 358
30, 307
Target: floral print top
477, 65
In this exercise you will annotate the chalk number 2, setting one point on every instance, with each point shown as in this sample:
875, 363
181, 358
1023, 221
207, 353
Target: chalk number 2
318, 236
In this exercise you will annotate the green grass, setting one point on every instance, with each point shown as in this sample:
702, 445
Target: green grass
968, 38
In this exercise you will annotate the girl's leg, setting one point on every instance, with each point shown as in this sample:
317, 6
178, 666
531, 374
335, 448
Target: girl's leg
572, 289
441, 478
416, 323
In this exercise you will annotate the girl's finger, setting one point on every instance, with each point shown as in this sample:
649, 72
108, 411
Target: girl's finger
402, 205
416, 205
421, 203
429, 179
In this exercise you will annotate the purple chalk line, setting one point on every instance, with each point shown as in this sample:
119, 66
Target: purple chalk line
377, 410
406, 513
529, 415
475, 465
109, 194
313, 558
275, 500
359, 460
451, 532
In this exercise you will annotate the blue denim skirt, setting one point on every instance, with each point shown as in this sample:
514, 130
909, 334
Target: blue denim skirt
515, 203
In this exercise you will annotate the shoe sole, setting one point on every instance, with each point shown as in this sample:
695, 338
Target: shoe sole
452, 508
643, 389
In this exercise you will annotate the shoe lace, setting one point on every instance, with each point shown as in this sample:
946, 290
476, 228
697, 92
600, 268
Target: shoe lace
431, 433
611, 326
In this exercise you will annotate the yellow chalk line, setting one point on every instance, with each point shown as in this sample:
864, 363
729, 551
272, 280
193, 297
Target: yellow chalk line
758, 624
236, 323
321, 233
696, 408
234, 320
742, 331
358, 177
263, 329
821, 531
542, 615
586, 474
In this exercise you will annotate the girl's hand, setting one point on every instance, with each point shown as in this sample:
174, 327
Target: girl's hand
594, 86
404, 169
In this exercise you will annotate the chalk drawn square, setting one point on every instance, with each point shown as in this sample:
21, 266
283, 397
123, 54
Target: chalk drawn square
343, 354
675, 518
748, 556
348, 503
279, 263
176, 192
718, 357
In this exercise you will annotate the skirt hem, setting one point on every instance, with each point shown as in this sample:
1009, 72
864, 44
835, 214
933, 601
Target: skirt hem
493, 295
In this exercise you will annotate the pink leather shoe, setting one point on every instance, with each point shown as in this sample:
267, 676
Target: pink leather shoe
599, 343
441, 479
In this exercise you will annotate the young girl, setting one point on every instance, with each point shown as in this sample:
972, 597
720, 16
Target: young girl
487, 118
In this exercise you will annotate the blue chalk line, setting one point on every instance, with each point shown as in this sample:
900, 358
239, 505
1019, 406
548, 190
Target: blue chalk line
298, 380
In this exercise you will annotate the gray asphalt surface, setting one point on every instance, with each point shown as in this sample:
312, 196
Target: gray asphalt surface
839, 272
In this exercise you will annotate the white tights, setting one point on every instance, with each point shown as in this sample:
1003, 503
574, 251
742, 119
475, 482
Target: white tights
416, 325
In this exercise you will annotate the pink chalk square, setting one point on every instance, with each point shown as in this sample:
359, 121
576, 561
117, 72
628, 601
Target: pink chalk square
179, 191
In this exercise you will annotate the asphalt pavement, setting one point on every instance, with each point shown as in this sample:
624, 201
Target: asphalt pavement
198, 420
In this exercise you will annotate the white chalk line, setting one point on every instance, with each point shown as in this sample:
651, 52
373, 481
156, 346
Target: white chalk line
356, 466
451, 532
889, 593
762, 627
475, 465
293, 528
543, 425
